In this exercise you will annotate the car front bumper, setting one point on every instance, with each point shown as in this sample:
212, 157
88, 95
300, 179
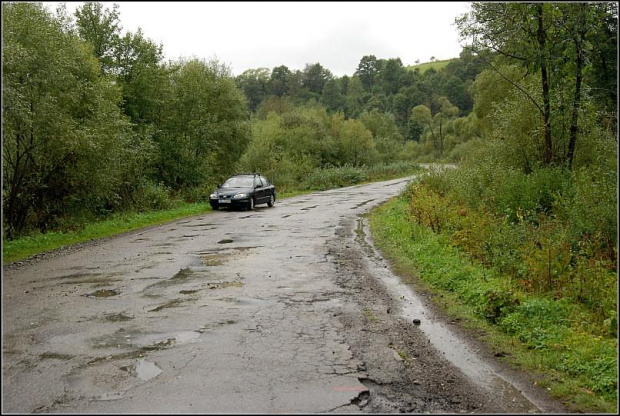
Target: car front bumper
235, 203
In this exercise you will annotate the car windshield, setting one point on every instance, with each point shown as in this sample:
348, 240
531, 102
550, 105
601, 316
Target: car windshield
239, 182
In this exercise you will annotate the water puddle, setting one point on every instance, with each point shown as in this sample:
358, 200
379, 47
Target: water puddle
146, 370
187, 336
225, 241
453, 348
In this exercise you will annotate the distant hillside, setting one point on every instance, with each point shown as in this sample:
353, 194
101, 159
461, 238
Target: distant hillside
436, 64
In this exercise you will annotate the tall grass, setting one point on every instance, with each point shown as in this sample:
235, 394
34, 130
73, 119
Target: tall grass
571, 348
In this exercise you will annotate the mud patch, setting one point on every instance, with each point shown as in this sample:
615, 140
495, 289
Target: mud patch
55, 356
170, 304
225, 241
188, 292
224, 285
182, 274
116, 317
213, 259
103, 293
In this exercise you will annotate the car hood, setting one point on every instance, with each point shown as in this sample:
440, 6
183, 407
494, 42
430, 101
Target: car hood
233, 191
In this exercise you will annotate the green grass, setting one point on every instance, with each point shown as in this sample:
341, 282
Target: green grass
544, 337
22, 248
437, 65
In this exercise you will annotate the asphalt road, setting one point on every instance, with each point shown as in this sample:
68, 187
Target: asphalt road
278, 310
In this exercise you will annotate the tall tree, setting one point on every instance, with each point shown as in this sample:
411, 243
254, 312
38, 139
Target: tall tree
368, 71
279, 82
66, 146
550, 39
101, 28
315, 77
205, 130
254, 83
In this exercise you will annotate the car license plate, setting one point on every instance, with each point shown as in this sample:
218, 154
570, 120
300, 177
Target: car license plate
224, 201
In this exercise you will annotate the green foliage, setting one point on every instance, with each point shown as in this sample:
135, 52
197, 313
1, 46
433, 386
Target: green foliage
204, 130
67, 148
334, 177
560, 338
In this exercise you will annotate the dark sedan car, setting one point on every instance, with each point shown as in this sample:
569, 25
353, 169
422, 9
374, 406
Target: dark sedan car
243, 191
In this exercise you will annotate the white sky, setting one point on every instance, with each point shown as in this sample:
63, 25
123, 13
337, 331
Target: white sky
249, 35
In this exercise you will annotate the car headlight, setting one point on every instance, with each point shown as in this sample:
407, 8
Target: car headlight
213, 196
238, 196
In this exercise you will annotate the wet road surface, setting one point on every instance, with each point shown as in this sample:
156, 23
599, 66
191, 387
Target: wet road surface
286, 309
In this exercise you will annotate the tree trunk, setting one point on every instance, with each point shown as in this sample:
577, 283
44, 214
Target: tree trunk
574, 125
548, 156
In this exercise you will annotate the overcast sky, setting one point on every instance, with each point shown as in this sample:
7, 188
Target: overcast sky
248, 35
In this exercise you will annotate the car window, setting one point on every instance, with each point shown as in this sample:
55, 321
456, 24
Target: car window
265, 181
258, 182
239, 182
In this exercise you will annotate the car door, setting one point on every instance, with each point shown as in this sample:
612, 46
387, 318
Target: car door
259, 192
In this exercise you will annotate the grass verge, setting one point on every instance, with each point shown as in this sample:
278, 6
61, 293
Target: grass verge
574, 366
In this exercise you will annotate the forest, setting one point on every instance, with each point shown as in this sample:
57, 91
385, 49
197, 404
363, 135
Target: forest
96, 122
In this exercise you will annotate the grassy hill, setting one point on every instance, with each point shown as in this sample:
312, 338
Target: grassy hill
437, 65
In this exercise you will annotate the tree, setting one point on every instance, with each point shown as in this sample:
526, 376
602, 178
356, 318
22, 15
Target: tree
254, 83
66, 145
391, 75
101, 28
435, 123
355, 97
315, 77
142, 77
332, 96
555, 40
368, 71
205, 130
279, 81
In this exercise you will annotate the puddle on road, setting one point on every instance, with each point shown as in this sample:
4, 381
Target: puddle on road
187, 336
225, 241
453, 348
146, 370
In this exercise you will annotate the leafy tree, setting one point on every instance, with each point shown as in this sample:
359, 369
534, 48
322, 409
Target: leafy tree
368, 71
315, 77
386, 137
556, 41
142, 77
355, 97
279, 81
205, 129
254, 83
391, 75
332, 96
435, 124
66, 146
101, 28
356, 146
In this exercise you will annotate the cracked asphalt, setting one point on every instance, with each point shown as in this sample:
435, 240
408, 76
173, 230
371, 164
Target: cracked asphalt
278, 310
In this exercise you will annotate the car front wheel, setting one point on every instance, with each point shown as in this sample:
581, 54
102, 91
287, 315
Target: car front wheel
251, 204
272, 200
